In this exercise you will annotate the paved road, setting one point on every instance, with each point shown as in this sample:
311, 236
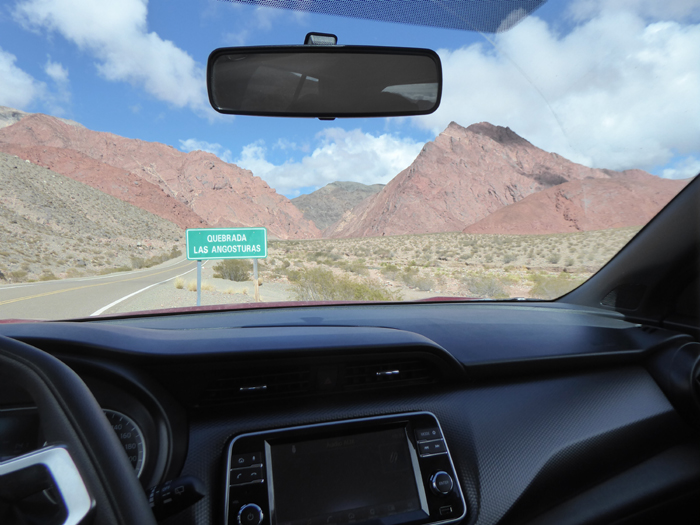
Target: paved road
71, 298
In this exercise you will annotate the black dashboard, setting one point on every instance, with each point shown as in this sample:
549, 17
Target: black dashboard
551, 413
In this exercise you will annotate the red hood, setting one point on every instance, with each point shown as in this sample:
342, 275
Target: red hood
243, 306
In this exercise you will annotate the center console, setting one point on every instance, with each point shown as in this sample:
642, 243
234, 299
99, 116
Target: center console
389, 470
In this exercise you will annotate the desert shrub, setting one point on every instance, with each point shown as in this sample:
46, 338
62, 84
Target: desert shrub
234, 270
357, 266
552, 286
47, 275
179, 283
123, 268
412, 278
509, 258
18, 275
138, 263
192, 286
485, 286
73, 272
317, 284
293, 275
207, 287
554, 258
389, 271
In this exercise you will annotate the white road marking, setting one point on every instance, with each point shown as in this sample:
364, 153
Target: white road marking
105, 308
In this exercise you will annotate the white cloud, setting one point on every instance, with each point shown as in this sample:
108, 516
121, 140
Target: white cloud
254, 20
615, 92
56, 71
116, 34
340, 155
18, 89
684, 169
211, 147
678, 10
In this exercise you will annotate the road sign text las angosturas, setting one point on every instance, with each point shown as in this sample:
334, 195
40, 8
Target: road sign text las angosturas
226, 243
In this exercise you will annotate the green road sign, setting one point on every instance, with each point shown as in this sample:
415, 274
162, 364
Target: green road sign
226, 243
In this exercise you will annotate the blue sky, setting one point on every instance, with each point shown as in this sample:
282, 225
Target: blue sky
611, 84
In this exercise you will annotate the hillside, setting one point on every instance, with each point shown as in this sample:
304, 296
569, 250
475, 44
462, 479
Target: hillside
221, 194
464, 175
50, 224
9, 116
629, 199
327, 205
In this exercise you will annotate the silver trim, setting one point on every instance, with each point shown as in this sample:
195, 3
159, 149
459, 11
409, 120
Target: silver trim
260, 388
68, 481
268, 466
388, 373
417, 475
260, 513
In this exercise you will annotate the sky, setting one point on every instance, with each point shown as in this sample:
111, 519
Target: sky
607, 83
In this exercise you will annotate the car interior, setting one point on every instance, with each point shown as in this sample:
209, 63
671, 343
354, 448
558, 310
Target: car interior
580, 410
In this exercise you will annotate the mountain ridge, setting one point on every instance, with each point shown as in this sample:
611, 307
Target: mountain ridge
221, 194
460, 178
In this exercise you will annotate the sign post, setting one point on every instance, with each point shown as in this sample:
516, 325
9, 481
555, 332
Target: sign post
199, 283
226, 243
257, 284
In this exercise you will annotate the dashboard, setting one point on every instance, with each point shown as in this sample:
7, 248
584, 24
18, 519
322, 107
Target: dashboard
544, 413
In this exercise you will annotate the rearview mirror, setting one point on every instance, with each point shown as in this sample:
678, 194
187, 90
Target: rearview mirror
324, 81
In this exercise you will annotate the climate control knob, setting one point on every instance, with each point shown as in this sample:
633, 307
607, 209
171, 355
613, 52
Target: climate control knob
441, 483
250, 514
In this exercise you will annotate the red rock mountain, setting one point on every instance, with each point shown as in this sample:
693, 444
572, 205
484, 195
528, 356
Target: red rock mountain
461, 177
112, 181
629, 199
221, 194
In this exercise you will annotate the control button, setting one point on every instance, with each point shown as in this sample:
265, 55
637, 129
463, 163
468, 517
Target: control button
428, 434
441, 483
246, 460
437, 447
246, 475
445, 511
250, 514
428, 448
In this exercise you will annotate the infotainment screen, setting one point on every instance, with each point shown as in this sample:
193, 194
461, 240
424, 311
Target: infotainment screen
345, 480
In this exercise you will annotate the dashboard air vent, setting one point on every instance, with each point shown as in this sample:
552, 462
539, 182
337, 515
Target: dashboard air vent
285, 379
375, 375
267, 382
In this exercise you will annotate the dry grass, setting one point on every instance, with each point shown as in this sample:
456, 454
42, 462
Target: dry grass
208, 287
179, 283
192, 286
454, 264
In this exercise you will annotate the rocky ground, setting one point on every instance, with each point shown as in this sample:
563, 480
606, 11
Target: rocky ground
454, 264
53, 227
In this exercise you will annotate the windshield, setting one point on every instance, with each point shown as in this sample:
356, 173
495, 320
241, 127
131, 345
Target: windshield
559, 136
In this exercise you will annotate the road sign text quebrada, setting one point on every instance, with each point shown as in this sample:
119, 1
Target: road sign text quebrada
226, 243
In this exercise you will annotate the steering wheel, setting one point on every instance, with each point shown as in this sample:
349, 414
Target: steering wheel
82, 469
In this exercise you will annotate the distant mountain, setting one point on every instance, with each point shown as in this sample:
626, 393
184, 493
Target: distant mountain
9, 116
52, 222
327, 205
221, 194
461, 177
631, 198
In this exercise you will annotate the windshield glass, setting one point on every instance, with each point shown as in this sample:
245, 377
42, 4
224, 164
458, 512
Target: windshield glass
559, 136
